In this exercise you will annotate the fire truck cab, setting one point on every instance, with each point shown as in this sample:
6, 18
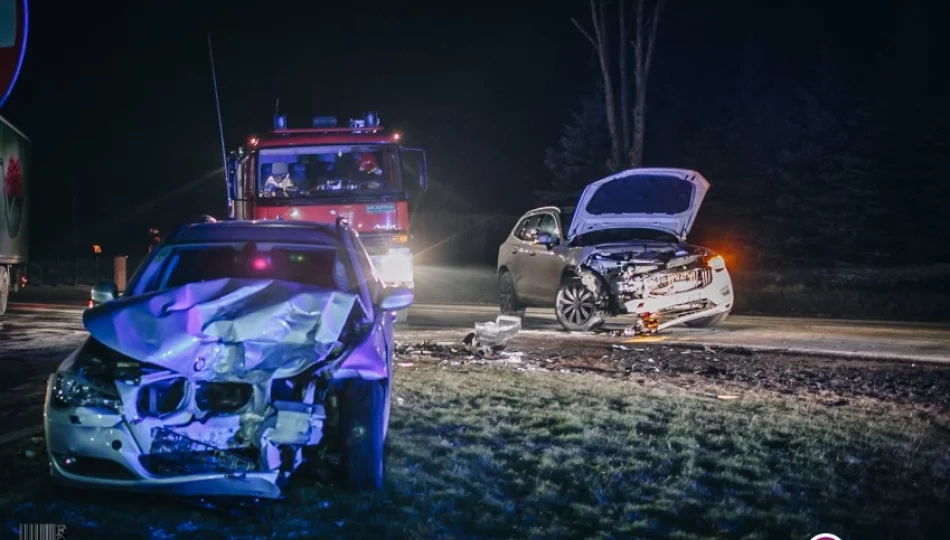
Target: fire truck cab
325, 172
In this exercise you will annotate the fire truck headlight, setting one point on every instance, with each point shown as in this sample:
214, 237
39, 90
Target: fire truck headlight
395, 266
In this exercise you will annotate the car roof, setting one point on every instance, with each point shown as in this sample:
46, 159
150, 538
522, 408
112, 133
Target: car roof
277, 231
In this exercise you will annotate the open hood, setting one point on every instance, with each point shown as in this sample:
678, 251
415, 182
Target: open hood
226, 329
662, 199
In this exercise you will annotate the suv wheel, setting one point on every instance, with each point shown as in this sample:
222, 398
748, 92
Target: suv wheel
508, 303
575, 307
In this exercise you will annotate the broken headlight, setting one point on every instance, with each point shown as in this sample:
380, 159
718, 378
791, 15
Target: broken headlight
70, 391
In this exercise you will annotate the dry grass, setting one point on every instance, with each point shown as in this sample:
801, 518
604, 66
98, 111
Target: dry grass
479, 451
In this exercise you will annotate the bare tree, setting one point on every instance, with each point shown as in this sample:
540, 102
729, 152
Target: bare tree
641, 70
600, 42
626, 128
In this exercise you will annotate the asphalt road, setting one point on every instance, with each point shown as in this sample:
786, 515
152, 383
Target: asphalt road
35, 337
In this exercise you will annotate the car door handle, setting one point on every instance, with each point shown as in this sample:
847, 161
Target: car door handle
532, 253
514, 250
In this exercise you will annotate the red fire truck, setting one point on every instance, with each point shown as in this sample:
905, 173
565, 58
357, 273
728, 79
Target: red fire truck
324, 172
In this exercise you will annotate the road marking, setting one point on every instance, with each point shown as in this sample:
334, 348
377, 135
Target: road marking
20, 434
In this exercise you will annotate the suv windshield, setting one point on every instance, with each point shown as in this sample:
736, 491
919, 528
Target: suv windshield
176, 265
616, 236
328, 171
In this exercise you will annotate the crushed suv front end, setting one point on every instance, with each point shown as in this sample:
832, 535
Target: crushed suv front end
663, 285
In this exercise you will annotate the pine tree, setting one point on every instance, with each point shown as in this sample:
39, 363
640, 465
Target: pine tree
582, 152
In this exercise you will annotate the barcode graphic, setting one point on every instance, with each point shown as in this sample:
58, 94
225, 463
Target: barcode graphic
42, 531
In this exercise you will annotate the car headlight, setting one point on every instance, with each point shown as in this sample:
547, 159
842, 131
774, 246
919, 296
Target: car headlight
395, 266
69, 391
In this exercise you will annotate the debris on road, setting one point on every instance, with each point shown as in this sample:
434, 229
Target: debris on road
491, 337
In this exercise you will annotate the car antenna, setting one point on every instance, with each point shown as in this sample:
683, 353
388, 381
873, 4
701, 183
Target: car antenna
217, 102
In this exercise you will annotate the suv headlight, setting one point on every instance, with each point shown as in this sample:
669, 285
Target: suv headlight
395, 266
716, 262
69, 391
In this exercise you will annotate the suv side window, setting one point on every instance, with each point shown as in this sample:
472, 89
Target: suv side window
548, 225
528, 229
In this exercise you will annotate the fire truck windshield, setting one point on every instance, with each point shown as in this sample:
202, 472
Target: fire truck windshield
328, 171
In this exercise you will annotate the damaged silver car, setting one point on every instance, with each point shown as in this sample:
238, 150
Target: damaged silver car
623, 252
240, 352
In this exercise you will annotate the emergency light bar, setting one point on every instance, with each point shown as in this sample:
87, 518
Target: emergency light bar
324, 121
370, 120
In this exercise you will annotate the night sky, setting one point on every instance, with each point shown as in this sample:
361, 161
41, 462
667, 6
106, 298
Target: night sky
119, 101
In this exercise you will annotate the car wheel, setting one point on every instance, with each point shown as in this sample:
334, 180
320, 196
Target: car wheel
575, 307
707, 322
508, 302
362, 418
402, 315
4, 289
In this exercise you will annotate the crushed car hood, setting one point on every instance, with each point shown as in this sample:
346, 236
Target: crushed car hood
226, 329
662, 199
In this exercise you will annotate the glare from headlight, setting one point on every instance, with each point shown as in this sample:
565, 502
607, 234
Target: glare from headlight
71, 392
395, 266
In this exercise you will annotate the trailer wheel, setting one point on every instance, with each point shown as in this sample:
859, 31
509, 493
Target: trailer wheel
4, 289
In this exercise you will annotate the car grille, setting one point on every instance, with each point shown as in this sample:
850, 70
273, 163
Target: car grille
677, 282
222, 397
162, 397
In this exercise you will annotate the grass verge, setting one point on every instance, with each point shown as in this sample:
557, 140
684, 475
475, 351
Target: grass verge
482, 451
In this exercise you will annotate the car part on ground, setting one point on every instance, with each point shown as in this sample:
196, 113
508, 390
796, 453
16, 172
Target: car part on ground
492, 336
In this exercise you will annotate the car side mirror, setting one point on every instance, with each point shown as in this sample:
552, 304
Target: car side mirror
104, 291
548, 240
396, 298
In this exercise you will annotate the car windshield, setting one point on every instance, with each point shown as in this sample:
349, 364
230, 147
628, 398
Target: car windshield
177, 265
616, 236
328, 171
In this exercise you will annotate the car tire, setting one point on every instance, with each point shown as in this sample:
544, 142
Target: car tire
508, 302
4, 289
574, 307
707, 322
362, 430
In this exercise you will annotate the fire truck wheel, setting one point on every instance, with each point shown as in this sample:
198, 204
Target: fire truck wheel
4, 289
